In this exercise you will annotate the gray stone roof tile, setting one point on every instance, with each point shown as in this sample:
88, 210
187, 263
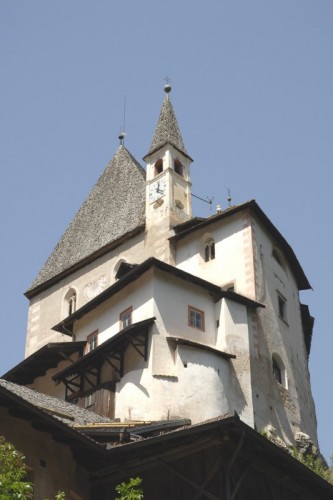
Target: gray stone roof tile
68, 413
114, 207
167, 129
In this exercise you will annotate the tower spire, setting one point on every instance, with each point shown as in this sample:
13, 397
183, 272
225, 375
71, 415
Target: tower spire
167, 130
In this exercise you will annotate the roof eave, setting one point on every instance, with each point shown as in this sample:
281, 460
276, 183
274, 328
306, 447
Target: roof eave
160, 146
32, 292
302, 281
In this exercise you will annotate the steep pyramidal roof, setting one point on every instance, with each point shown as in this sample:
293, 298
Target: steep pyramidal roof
167, 130
114, 207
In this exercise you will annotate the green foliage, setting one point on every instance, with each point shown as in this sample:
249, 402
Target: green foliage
315, 464
130, 490
13, 473
60, 496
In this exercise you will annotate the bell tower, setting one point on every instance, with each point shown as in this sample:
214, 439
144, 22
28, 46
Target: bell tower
168, 185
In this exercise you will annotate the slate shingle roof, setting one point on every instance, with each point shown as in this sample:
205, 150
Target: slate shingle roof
114, 207
68, 413
167, 130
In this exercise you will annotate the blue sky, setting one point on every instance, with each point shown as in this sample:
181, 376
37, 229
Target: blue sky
252, 89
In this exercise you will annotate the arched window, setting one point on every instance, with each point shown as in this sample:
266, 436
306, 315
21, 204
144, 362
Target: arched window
279, 371
158, 167
70, 302
209, 250
178, 168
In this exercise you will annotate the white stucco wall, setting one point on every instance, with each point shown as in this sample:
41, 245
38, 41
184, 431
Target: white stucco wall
177, 381
290, 408
47, 309
182, 381
233, 263
105, 318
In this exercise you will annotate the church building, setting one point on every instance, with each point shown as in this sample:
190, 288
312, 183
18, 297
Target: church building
146, 313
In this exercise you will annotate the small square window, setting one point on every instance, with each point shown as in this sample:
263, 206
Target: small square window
196, 318
126, 318
92, 341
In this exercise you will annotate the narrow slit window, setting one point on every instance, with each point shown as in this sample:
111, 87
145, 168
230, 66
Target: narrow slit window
71, 303
282, 307
277, 371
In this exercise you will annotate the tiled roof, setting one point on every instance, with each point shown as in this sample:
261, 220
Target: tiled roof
114, 208
68, 413
167, 129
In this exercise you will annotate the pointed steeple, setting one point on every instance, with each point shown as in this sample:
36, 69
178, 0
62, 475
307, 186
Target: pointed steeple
167, 130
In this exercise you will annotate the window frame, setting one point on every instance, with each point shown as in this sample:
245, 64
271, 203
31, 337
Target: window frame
282, 307
209, 251
91, 336
279, 371
129, 310
201, 315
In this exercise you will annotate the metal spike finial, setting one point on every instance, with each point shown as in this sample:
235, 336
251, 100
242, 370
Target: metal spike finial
121, 137
122, 132
167, 86
229, 197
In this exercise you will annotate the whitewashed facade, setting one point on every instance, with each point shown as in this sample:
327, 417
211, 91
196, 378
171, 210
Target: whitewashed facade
182, 317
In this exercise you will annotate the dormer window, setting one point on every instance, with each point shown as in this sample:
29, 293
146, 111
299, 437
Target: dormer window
158, 167
178, 168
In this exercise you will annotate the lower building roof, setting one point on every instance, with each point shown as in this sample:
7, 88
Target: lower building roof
37, 364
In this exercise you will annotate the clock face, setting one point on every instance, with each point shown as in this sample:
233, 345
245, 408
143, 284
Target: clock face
156, 190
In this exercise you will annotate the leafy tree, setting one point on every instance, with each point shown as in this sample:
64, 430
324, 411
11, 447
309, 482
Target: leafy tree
13, 473
130, 490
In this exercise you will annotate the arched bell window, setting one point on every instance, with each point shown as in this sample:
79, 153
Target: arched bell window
178, 168
158, 167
